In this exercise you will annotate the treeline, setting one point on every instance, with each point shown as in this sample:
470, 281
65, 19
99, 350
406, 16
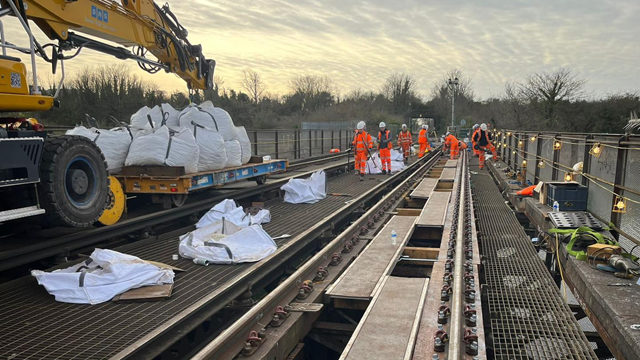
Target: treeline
554, 101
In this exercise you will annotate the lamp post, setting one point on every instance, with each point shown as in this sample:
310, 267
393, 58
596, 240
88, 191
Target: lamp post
453, 86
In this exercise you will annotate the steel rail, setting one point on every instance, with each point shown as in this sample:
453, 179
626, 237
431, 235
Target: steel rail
456, 346
231, 341
62, 245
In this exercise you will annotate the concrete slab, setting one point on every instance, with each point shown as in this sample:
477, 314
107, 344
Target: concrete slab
451, 164
364, 275
389, 327
434, 212
448, 174
424, 189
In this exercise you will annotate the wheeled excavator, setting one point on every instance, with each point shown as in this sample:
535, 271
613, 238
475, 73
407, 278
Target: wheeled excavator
65, 177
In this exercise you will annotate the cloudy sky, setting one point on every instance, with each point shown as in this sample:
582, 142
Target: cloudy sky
359, 43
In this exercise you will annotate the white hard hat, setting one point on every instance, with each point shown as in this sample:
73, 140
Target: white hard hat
448, 133
404, 126
483, 127
382, 124
425, 126
476, 126
360, 125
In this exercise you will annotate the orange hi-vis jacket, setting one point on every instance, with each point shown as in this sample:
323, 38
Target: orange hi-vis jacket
404, 138
362, 141
384, 140
422, 137
450, 140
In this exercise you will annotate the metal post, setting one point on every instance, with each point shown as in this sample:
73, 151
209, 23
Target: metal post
321, 141
619, 180
340, 139
538, 157
453, 107
332, 136
295, 144
586, 160
255, 142
277, 143
556, 159
310, 143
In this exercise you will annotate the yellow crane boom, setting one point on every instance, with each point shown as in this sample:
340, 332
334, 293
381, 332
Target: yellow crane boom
140, 24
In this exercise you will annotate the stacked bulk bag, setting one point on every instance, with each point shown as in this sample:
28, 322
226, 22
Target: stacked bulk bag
234, 153
165, 146
245, 144
213, 153
146, 119
113, 143
139, 120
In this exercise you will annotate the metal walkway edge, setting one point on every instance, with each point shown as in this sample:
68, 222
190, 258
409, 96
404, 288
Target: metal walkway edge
529, 318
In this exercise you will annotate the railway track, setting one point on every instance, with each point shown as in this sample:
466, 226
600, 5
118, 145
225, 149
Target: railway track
66, 245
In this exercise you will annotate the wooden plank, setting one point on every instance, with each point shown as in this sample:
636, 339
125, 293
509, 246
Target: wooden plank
408, 212
424, 189
153, 170
146, 293
434, 212
421, 252
362, 277
388, 328
448, 174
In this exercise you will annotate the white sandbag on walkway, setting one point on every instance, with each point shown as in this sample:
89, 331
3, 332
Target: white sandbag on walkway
224, 243
234, 153
104, 275
164, 146
233, 213
213, 153
306, 191
113, 143
245, 143
374, 165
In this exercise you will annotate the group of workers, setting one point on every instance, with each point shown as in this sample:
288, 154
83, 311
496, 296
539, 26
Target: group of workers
363, 143
481, 140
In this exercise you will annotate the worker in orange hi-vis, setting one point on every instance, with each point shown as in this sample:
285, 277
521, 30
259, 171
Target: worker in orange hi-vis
384, 148
362, 143
423, 140
482, 140
451, 142
405, 141
475, 129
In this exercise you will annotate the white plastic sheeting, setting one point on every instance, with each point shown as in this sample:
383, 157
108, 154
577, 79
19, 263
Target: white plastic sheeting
234, 153
113, 143
249, 244
213, 153
233, 213
396, 165
245, 143
106, 274
175, 147
306, 191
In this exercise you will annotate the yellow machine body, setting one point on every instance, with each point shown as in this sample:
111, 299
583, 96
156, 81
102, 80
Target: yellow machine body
117, 203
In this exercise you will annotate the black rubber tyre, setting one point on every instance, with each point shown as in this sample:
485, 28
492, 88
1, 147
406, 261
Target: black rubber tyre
261, 180
74, 181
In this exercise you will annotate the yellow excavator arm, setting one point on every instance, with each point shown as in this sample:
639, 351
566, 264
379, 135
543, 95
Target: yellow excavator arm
141, 25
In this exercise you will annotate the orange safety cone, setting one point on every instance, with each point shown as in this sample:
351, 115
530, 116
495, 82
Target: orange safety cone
528, 191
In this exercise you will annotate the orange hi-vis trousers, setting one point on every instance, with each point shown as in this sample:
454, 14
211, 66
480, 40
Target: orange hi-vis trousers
406, 149
455, 150
483, 149
385, 159
361, 161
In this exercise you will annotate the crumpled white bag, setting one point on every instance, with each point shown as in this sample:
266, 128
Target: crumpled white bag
306, 191
113, 143
396, 165
104, 275
233, 213
164, 146
249, 244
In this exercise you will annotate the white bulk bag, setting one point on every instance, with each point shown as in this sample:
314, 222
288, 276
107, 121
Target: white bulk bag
210, 117
396, 155
139, 120
104, 275
249, 244
233, 213
175, 147
397, 166
171, 115
374, 164
234, 153
213, 153
245, 143
195, 115
309, 191
113, 143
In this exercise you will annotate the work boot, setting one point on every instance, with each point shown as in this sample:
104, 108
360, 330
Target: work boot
361, 177
384, 172
389, 172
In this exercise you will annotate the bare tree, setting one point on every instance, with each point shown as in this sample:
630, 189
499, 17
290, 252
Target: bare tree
441, 97
252, 83
311, 92
399, 89
547, 90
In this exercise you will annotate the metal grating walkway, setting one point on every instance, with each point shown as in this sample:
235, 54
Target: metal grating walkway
35, 326
528, 317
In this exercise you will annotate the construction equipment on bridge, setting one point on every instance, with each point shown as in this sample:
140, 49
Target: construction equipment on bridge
66, 176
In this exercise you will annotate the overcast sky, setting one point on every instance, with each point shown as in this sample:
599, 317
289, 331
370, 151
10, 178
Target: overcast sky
359, 43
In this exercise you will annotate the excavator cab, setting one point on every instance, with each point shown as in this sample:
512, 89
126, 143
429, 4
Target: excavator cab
14, 88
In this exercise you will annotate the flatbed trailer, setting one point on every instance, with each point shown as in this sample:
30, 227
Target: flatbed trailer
173, 181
